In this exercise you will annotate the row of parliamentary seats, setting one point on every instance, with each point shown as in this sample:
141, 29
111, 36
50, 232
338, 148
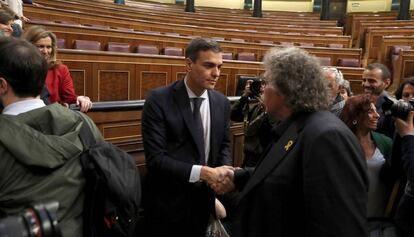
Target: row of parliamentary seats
337, 55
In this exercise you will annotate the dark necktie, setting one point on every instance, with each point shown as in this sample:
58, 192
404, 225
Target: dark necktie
199, 131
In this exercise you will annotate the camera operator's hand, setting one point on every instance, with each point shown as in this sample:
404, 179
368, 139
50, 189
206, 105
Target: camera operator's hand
247, 91
405, 127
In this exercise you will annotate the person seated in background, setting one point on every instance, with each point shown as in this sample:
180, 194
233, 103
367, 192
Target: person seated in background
250, 110
405, 211
361, 116
406, 90
334, 78
345, 89
58, 81
6, 21
39, 145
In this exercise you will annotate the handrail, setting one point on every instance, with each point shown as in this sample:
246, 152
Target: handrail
125, 105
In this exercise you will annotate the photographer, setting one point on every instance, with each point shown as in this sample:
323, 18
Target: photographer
405, 210
249, 109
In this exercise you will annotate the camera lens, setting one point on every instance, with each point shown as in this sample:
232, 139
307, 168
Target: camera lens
36, 221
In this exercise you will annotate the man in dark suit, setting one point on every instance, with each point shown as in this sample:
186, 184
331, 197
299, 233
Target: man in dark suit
186, 133
312, 180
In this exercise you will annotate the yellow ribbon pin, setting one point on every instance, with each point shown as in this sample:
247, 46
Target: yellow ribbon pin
288, 145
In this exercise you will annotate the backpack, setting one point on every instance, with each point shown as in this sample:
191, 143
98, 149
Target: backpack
112, 189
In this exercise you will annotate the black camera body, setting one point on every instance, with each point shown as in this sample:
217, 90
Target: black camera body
255, 88
38, 220
397, 108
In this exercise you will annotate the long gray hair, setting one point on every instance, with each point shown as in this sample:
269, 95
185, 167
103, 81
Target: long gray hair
298, 77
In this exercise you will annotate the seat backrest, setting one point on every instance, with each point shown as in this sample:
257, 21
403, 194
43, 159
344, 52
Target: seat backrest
147, 49
306, 44
61, 43
395, 49
68, 23
118, 47
87, 45
324, 61
335, 45
98, 26
237, 40
287, 44
217, 38
265, 42
228, 56
152, 32
246, 56
123, 29
348, 62
171, 34
173, 51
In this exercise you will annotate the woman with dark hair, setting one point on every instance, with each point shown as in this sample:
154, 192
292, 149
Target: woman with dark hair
361, 116
406, 90
58, 81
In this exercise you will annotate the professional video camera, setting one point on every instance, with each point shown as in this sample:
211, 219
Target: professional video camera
397, 108
38, 220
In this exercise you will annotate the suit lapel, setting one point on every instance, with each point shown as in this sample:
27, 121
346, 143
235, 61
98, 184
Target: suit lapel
215, 118
183, 103
273, 158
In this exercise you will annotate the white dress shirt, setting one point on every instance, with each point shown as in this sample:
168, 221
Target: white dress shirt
23, 106
206, 120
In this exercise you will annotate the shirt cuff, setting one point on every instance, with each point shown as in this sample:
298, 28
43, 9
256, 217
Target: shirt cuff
195, 173
409, 134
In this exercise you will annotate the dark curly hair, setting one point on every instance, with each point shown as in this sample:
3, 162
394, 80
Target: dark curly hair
355, 109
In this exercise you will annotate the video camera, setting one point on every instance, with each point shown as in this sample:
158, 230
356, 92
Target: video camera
38, 220
397, 108
255, 86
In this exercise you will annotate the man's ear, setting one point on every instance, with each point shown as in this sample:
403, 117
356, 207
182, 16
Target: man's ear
4, 85
387, 83
188, 64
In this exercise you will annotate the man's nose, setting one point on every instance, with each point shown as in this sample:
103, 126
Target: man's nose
216, 72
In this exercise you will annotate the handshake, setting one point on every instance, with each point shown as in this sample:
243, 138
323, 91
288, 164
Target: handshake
220, 179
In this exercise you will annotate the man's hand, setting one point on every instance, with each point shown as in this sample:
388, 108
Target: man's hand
25, 19
220, 179
405, 127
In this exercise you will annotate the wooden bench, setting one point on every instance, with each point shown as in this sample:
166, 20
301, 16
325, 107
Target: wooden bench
403, 67
281, 25
109, 76
175, 12
387, 42
69, 34
350, 16
79, 18
374, 36
364, 25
